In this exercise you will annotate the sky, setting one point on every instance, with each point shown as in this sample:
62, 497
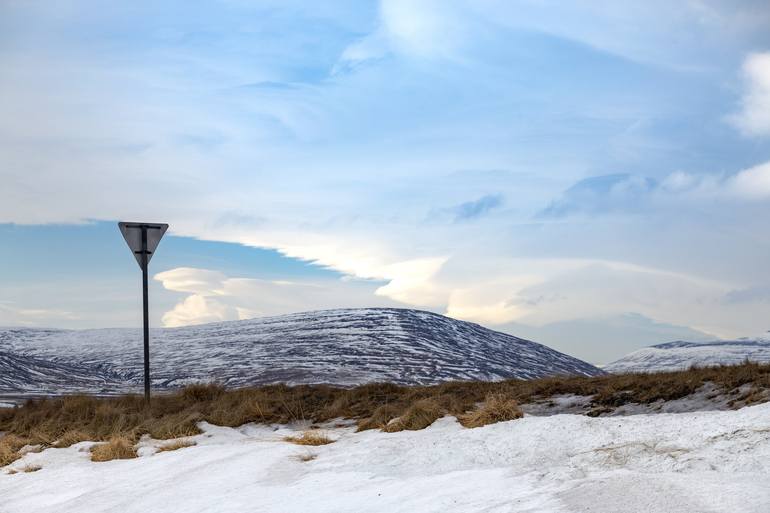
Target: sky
591, 175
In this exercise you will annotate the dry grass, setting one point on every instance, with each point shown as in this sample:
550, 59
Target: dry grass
66, 420
30, 468
116, 448
70, 437
10, 445
418, 416
310, 438
177, 444
496, 408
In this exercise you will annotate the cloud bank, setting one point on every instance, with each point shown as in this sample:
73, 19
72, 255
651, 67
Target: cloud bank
213, 297
485, 159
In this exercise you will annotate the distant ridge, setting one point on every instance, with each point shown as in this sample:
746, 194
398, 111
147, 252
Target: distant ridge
682, 355
341, 347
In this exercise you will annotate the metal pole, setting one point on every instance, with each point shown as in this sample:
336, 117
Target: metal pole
145, 300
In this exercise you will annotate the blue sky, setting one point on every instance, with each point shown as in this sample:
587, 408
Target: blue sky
593, 175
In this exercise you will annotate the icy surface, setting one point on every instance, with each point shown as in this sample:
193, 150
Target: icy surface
682, 355
343, 347
708, 462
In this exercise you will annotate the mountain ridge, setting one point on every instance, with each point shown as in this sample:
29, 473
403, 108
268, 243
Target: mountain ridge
680, 354
341, 347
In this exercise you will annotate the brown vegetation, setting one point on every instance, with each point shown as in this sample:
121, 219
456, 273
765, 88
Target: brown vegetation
9, 448
419, 415
496, 408
310, 438
116, 448
176, 444
66, 420
70, 437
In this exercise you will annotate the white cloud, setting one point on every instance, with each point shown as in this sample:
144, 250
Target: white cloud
201, 282
567, 290
216, 297
198, 309
427, 29
15, 315
754, 117
411, 282
603, 195
752, 183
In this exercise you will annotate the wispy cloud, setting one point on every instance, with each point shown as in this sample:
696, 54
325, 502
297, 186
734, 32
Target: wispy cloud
477, 208
754, 117
602, 194
625, 193
15, 315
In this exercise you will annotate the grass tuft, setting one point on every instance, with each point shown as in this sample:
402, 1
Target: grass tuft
10, 445
70, 437
117, 448
310, 438
177, 444
418, 416
496, 408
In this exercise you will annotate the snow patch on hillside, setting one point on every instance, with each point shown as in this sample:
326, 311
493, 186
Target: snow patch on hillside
681, 355
342, 347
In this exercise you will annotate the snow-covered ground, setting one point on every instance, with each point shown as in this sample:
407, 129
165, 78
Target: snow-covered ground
667, 463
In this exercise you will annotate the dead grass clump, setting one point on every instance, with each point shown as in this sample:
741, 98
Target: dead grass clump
70, 437
174, 425
31, 468
117, 448
418, 416
380, 416
496, 408
202, 392
10, 445
310, 438
177, 444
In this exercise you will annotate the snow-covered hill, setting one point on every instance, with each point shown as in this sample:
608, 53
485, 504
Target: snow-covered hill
681, 355
343, 347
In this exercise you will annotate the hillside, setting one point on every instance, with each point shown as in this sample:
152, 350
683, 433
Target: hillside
682, 355
341, 347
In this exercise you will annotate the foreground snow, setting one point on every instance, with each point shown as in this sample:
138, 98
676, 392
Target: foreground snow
690, 462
